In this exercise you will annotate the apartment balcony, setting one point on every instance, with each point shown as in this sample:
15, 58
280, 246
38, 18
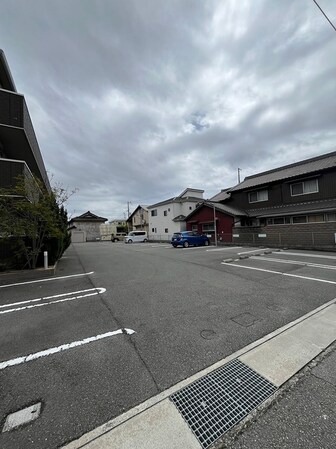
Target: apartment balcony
11, 170
17, 134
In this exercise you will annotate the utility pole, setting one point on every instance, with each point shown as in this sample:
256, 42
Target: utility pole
215, 226
128, 214
128, 208
239, 170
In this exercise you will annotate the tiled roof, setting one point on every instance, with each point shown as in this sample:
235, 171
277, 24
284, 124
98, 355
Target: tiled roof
220, 207
179, 218
289, 171
234, 211
298, 208
221, 196
88, 216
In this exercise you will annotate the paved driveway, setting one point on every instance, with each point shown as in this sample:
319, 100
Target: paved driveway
187, 308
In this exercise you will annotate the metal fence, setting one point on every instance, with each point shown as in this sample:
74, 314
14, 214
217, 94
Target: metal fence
293, 239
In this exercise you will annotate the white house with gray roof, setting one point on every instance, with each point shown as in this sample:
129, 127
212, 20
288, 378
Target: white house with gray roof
168, 216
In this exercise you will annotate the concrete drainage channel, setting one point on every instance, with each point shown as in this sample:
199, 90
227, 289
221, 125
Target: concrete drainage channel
218, 401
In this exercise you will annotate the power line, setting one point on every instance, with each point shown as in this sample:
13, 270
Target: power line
325, 15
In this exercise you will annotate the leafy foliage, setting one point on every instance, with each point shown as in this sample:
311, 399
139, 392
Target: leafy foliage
33, 220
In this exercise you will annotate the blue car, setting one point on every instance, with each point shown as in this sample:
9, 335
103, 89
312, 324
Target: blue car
189, 238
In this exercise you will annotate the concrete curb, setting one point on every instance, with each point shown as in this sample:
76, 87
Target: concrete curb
277, 357
27, 275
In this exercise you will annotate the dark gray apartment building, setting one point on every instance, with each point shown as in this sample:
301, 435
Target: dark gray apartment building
19, 150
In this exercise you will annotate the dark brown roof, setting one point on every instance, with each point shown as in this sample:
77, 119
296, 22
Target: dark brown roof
220, 207
88, 216
221, 196
305, 167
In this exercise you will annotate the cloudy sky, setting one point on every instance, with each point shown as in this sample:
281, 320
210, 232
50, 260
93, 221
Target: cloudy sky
135, 100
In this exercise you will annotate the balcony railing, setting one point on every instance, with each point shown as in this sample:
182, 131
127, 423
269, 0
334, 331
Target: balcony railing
14, 113
10, 173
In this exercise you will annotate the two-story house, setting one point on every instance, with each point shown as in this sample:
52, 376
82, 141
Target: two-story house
293, 205
168, 216
138, 220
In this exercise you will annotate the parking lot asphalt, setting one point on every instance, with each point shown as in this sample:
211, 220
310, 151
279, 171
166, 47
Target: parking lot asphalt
187, 308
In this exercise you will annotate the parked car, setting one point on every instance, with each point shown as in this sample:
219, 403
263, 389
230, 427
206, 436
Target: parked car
188, 238
118, 237
136, 236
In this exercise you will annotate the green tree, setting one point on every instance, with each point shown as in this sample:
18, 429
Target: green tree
34, 218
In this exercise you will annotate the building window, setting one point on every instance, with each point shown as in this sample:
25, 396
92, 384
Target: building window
165, 213
258, 195
166, 230
208, 227
154, 212
278, 221
331, 216
315, 218
304, 187
300, 219
194, 228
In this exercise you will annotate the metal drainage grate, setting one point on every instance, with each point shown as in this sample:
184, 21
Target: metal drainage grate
215, 403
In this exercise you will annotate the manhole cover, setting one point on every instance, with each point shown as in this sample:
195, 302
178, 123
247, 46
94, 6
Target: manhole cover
245, 319
208, 334
215, 403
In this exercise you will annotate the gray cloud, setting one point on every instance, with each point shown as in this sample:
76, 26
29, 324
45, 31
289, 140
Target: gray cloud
135, 101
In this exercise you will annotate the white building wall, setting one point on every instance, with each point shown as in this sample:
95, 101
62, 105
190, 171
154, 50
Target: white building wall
159, 224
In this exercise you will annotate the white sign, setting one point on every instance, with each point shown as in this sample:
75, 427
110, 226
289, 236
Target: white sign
237, 235
262, 235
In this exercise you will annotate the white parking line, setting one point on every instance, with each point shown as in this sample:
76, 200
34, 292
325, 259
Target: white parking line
253, 251
278, 272
47, 279
306, 255
65, 347
99, 291
225, 249
295, 262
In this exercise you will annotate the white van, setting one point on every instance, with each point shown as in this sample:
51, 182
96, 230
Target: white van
136, 236
118, 237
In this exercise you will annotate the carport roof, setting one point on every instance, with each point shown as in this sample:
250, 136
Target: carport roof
295, 209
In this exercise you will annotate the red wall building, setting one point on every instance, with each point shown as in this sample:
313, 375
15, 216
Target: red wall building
202, 221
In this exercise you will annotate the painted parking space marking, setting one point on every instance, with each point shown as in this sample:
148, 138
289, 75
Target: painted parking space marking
306, 255
225, 249
279, 273
47, 279
29, 305
253, 251
295, 262
65, 347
